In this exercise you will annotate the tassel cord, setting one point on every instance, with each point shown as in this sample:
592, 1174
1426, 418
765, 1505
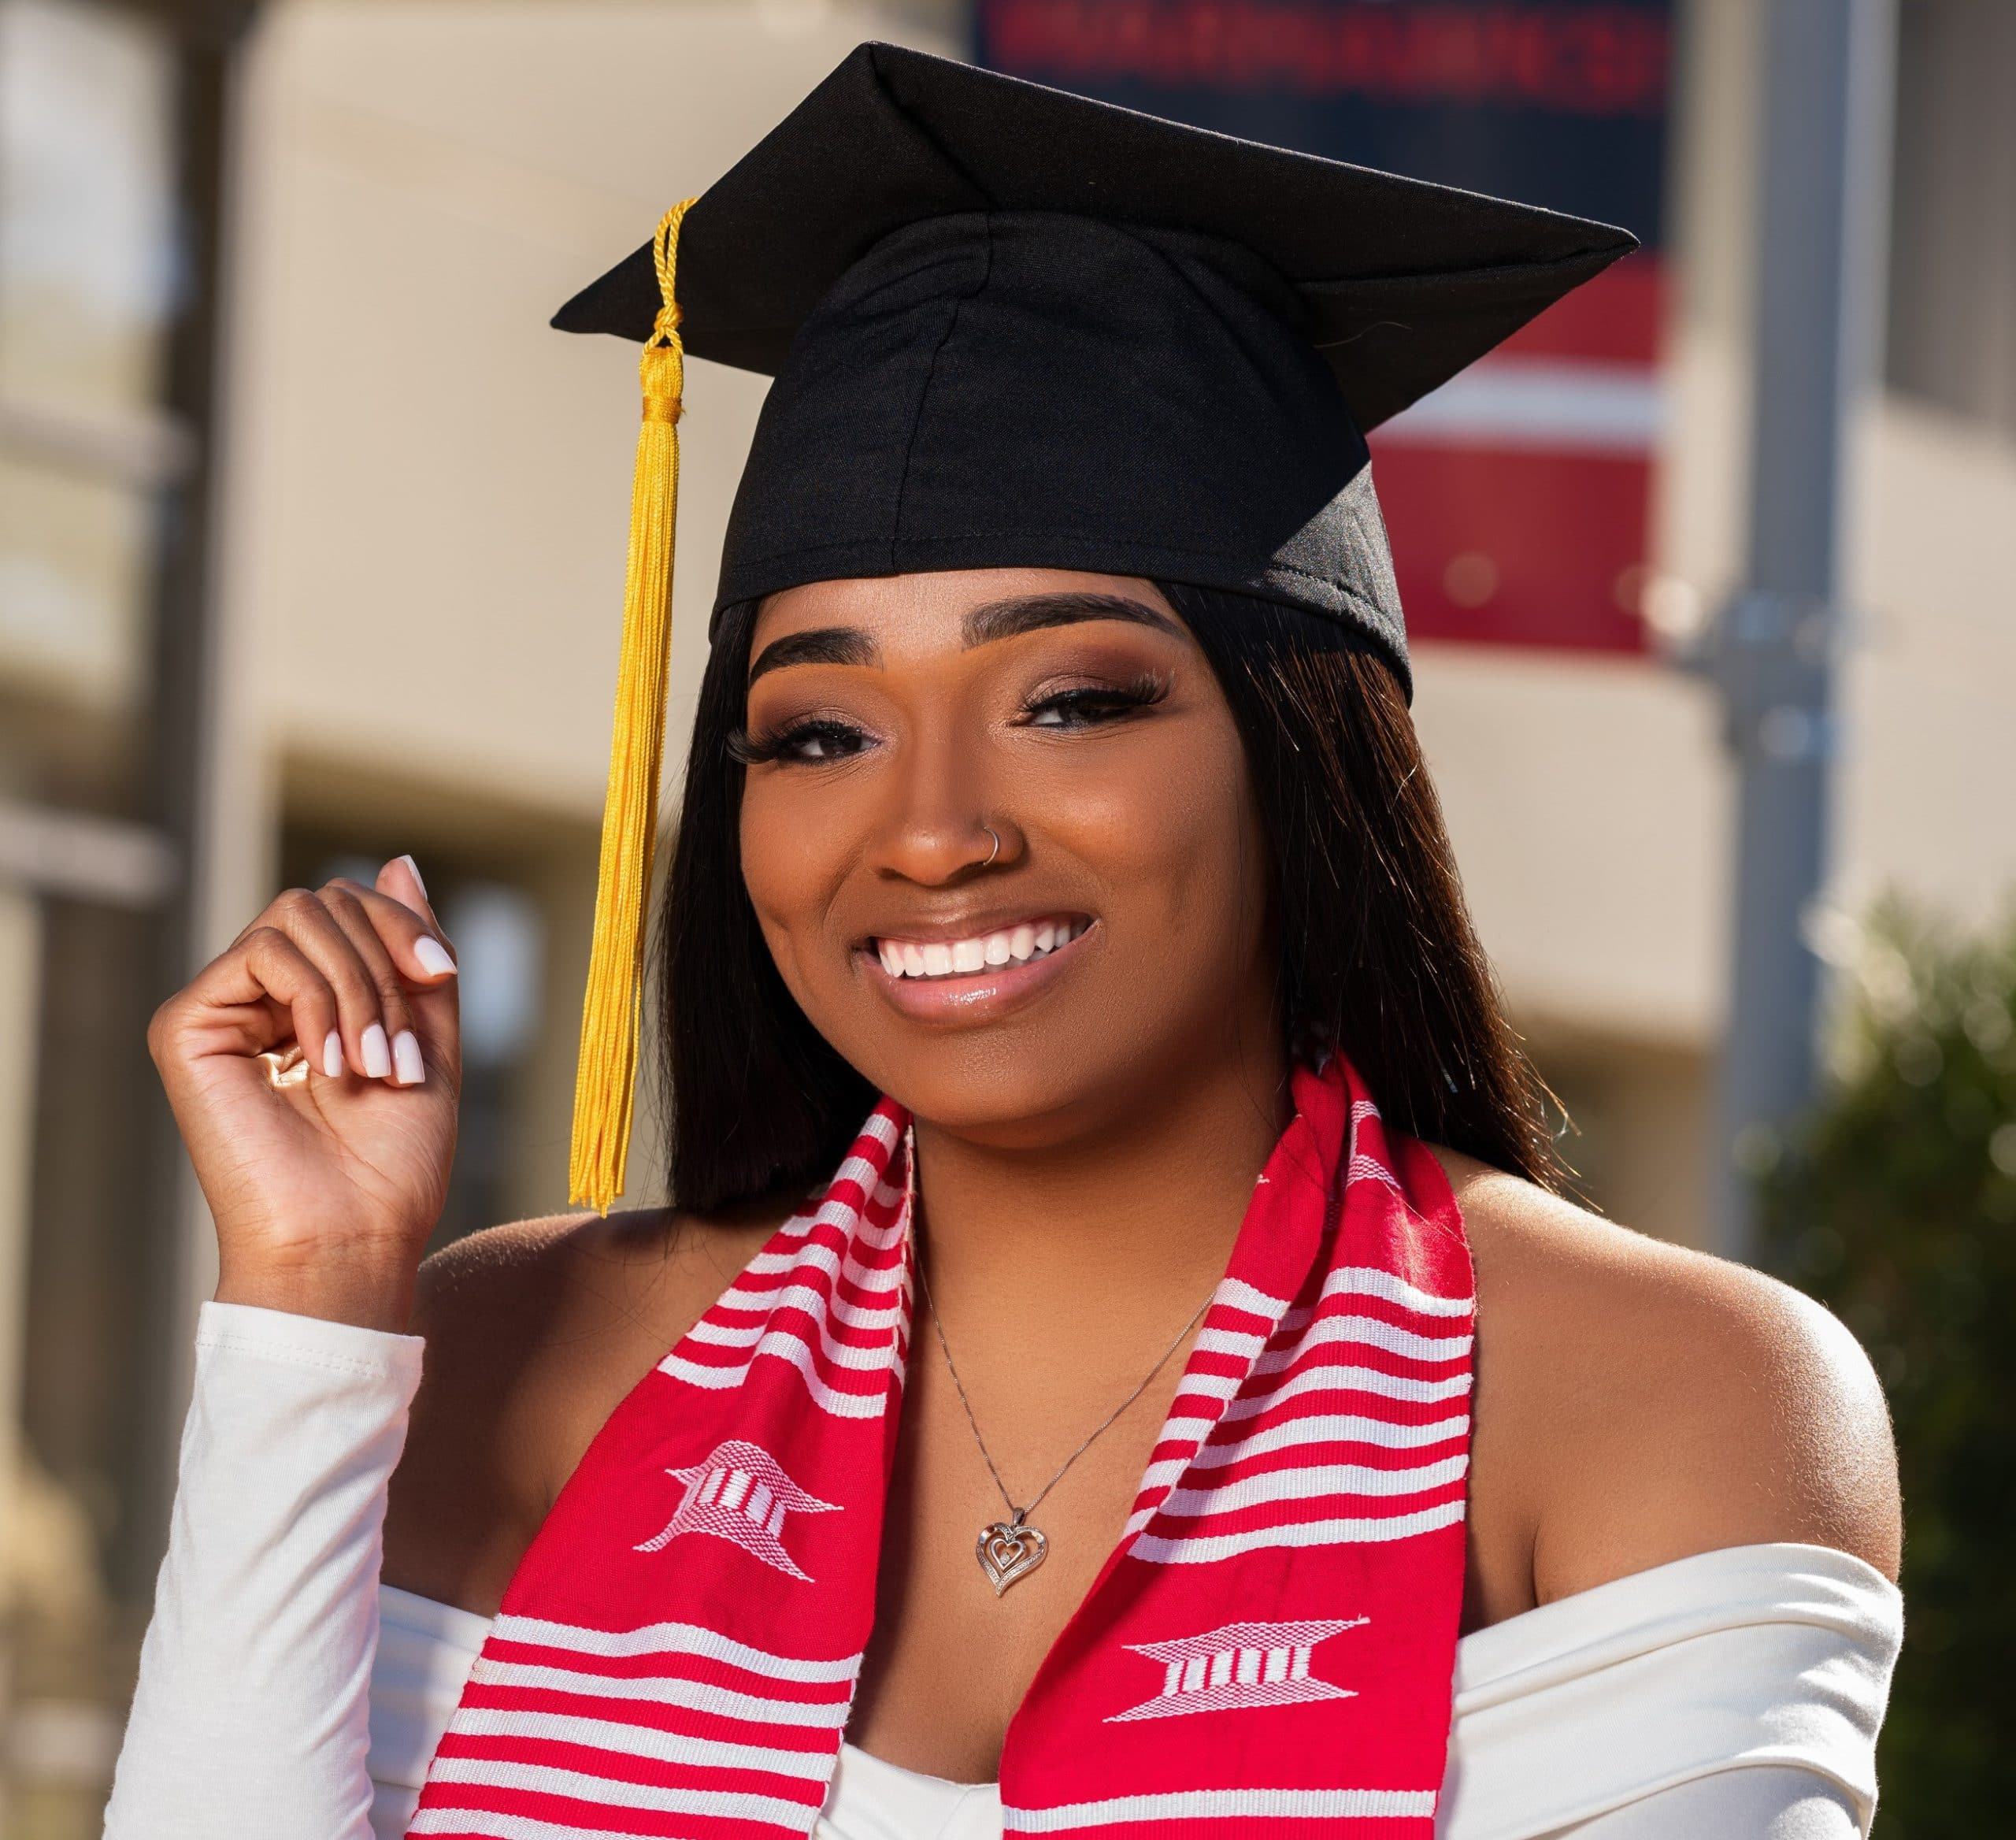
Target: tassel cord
606, 1077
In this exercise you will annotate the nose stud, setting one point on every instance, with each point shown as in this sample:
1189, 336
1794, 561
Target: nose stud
996, 835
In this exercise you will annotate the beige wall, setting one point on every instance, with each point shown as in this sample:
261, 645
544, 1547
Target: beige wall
1587, 804
432, 486
1928, 785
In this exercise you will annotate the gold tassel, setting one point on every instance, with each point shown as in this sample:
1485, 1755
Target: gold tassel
606, 1077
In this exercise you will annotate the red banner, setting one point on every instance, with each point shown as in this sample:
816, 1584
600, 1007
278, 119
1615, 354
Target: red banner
1518, 496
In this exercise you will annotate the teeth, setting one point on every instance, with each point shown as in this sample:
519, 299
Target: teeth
1016, 945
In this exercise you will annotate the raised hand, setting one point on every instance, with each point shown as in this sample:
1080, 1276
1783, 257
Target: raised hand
324, 1188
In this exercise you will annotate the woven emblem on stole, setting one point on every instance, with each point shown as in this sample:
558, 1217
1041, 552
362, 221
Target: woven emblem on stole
1237, 1666
741, 1494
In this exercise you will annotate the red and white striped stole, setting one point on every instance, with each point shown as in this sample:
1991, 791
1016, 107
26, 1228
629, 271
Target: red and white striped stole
1268, 1652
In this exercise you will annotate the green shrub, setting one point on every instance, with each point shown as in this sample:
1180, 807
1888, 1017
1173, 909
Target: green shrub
1895, 1204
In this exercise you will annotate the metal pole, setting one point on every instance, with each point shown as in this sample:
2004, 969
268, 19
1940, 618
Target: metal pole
1824, 168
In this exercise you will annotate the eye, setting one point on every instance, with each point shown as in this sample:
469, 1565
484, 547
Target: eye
813, 742
1089, 706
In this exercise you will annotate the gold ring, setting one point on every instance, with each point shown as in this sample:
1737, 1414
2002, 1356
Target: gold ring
285, 1066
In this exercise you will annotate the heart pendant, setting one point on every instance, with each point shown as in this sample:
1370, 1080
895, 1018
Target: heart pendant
1009, 1552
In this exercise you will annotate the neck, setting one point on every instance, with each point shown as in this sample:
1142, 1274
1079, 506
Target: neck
1143, 1207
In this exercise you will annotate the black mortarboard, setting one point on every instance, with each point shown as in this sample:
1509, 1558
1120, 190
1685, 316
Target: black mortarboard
1012, 326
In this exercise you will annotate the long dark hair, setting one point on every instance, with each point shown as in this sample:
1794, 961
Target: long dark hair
1377, 955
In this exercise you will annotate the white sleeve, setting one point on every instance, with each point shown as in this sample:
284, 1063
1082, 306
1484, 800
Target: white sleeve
251, 1717
1737, 1693
1771, 1802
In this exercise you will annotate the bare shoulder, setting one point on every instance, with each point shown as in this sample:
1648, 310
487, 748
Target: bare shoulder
535, 1332
1638, 1402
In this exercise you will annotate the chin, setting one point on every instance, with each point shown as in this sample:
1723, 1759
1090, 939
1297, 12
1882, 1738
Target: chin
1026, 1088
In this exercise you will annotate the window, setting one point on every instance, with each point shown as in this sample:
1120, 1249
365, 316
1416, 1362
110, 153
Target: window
87, 222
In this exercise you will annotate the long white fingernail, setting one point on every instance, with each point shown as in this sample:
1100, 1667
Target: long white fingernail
377, 1056
332, 1055
417, 876
433, 956
405, 1057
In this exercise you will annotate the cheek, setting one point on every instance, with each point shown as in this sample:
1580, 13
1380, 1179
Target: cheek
793, 860
1170, 831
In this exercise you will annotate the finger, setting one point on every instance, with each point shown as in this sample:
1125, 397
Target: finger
304, 918
395, 1052
438, 1004
296, 988
400, 879
245, 1001
407, 927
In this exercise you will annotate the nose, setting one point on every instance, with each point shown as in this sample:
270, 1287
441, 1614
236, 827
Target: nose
935, 853
943, 826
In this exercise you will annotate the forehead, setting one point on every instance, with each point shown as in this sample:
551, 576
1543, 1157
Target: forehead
925, 611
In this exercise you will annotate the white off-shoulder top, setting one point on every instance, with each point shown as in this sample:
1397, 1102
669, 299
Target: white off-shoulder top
286, 1694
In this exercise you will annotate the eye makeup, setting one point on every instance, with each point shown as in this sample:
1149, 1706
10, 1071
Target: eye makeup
810, 740
1093, 704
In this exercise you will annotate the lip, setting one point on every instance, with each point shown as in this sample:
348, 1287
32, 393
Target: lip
972, 997
981, 920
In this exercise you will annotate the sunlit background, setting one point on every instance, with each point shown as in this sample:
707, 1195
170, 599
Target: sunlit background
310, 553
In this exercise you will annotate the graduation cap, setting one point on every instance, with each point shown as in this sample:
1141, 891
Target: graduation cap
1011, 327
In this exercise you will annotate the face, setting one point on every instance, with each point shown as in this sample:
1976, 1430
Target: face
1114, 945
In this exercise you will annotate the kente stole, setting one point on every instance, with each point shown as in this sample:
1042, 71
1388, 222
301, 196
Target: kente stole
1268, 1651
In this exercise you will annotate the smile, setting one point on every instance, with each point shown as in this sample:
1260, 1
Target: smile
1020, 945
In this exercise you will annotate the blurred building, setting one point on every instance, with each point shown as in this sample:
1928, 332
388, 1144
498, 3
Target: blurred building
311, 542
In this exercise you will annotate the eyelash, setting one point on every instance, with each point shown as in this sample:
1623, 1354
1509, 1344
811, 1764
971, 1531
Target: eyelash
1086, 706
1119, 700
761, 750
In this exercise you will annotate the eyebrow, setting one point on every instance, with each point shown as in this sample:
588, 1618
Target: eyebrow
1032, 612
981, 625
821, 645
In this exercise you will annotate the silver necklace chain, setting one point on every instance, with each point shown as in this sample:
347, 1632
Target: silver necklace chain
1019, 1515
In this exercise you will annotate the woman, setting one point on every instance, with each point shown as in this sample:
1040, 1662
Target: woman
1053, 778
